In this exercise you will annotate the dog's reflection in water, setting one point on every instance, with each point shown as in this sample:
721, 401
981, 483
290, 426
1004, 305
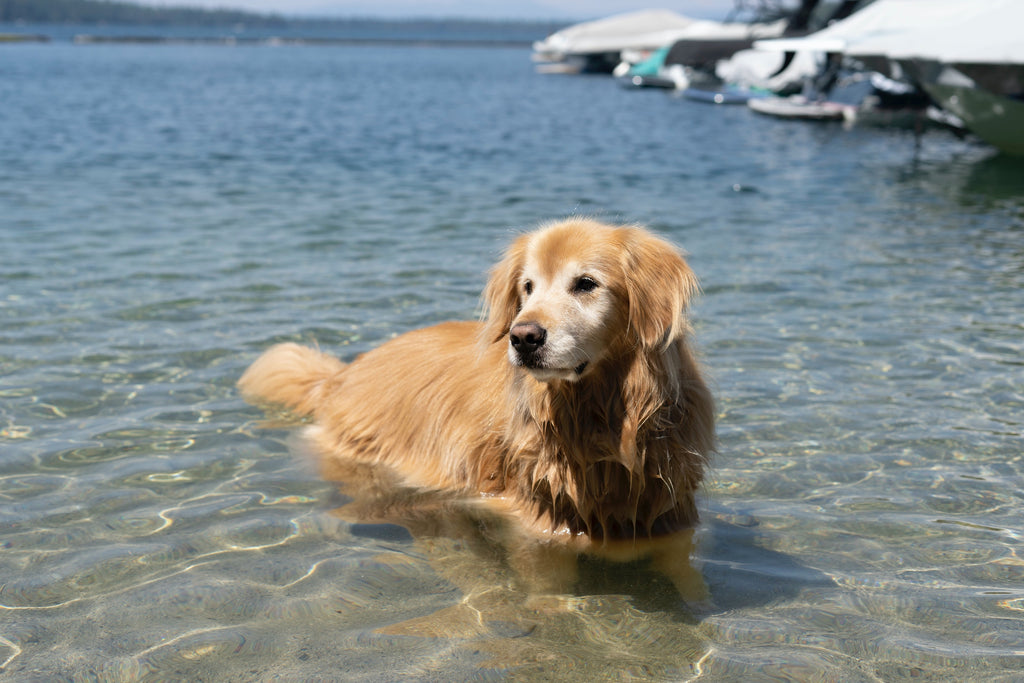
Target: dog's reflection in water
499, 564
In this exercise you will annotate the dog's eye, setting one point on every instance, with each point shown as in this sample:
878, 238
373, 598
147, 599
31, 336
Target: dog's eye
584, 284
528, 287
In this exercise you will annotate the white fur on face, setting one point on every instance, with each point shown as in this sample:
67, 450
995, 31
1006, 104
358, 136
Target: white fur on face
575, 306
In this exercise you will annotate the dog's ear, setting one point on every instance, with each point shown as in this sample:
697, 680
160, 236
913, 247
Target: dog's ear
501, 295
659, 285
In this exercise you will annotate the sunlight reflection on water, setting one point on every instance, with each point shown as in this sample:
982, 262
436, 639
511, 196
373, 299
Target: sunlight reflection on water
860, 320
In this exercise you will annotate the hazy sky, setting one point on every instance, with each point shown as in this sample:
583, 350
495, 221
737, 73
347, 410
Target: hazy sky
511, 9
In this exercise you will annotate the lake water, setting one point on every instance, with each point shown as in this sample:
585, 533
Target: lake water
168, 211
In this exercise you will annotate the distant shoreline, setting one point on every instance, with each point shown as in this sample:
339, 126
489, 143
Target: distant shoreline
402, 32
85, 39
284, 41
23, 38
89, 22
131, 12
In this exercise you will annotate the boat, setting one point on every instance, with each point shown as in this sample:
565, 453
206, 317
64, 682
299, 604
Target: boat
967, 55
691, 58
729, 94
854, 97
705, 63
784, 72
597, 46
600, 46
996, 119
650, 72
801, 107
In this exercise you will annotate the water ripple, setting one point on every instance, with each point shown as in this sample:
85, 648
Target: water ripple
164, 220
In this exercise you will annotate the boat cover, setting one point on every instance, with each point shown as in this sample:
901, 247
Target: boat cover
949, 31
644, 30
647, 30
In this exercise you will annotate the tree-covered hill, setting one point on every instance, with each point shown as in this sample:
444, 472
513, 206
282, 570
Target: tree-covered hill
113, 12
103, 11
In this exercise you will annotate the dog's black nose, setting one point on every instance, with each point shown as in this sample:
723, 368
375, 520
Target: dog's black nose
527, 337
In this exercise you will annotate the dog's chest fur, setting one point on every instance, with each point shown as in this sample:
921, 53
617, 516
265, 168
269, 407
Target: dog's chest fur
571, 464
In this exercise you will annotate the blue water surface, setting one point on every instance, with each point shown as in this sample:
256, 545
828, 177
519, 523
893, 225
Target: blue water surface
168, 211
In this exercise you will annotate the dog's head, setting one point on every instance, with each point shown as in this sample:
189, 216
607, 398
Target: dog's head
577, 292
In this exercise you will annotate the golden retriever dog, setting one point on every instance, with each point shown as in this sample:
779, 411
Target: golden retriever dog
576, 405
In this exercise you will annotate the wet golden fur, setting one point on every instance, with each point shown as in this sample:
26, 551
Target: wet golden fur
604, 438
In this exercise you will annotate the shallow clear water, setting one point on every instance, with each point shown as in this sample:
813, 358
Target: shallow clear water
166, 212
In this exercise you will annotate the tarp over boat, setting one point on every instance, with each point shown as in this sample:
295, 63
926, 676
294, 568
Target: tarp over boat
949, 31
646, 30
643, 30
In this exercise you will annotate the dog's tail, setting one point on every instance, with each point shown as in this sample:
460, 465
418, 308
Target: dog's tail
290, 375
